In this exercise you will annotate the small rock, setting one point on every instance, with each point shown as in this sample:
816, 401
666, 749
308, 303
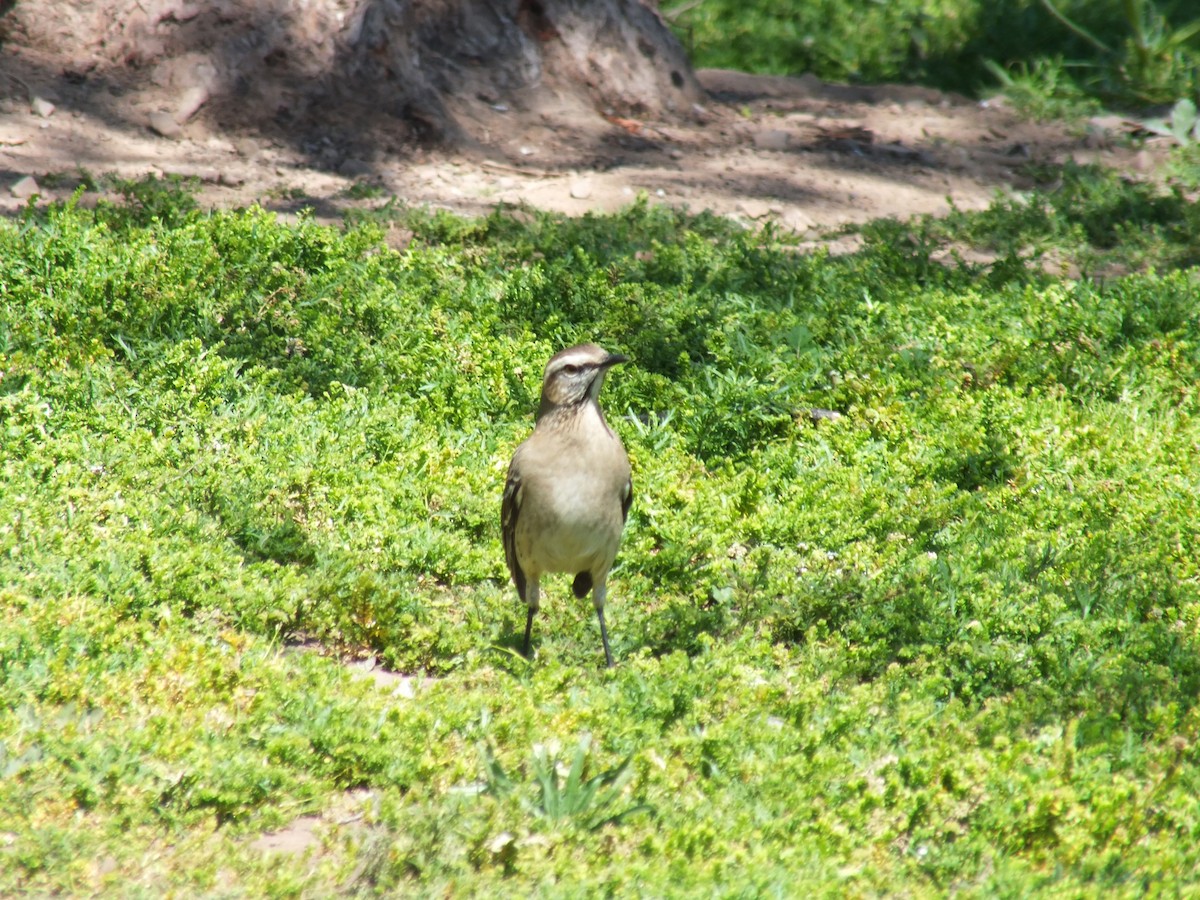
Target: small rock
798, 221
755, 209
42, 107
106, 865
676, 154
824, 415
582, 189
771, 139
24, 188
353, 167
164, 124
185, 12
1108, 124
190, 102
231, 179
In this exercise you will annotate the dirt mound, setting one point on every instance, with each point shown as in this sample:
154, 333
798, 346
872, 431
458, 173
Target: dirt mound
294, 105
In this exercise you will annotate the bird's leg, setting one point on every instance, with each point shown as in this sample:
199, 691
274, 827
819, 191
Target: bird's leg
528, 630
532, 602
608, 660
598, 595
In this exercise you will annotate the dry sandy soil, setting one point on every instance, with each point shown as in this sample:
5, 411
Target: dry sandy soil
808, 155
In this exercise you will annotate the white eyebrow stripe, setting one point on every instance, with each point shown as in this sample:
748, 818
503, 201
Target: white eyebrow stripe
578, 358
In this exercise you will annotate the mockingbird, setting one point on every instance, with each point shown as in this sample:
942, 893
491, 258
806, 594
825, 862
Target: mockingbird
568, 490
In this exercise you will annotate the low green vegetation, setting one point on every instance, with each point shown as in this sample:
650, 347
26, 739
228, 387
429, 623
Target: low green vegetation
945, 640
1050, 56
1089, 218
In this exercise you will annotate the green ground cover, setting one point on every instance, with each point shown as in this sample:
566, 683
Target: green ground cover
947, 641
1056, 53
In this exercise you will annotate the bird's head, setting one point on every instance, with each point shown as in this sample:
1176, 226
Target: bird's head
575, 375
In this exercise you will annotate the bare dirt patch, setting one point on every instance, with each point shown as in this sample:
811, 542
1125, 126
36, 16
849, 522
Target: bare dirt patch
91, 93
304, 834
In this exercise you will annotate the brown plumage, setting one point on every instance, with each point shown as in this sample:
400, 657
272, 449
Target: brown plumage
568, 490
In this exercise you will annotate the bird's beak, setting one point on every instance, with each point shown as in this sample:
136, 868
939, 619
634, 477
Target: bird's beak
613, 359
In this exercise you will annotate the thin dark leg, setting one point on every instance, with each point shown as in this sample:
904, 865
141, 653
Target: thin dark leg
528, 629
604, 637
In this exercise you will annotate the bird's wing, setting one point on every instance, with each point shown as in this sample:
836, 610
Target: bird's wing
510, 509
626, 499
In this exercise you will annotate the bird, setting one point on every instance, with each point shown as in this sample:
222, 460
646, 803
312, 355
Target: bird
569, 488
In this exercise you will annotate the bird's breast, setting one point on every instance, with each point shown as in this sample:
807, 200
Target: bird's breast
571, 518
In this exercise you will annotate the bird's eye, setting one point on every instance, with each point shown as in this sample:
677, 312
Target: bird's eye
571, 370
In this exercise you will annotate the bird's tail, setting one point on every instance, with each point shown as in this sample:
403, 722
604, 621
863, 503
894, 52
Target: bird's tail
582, 584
